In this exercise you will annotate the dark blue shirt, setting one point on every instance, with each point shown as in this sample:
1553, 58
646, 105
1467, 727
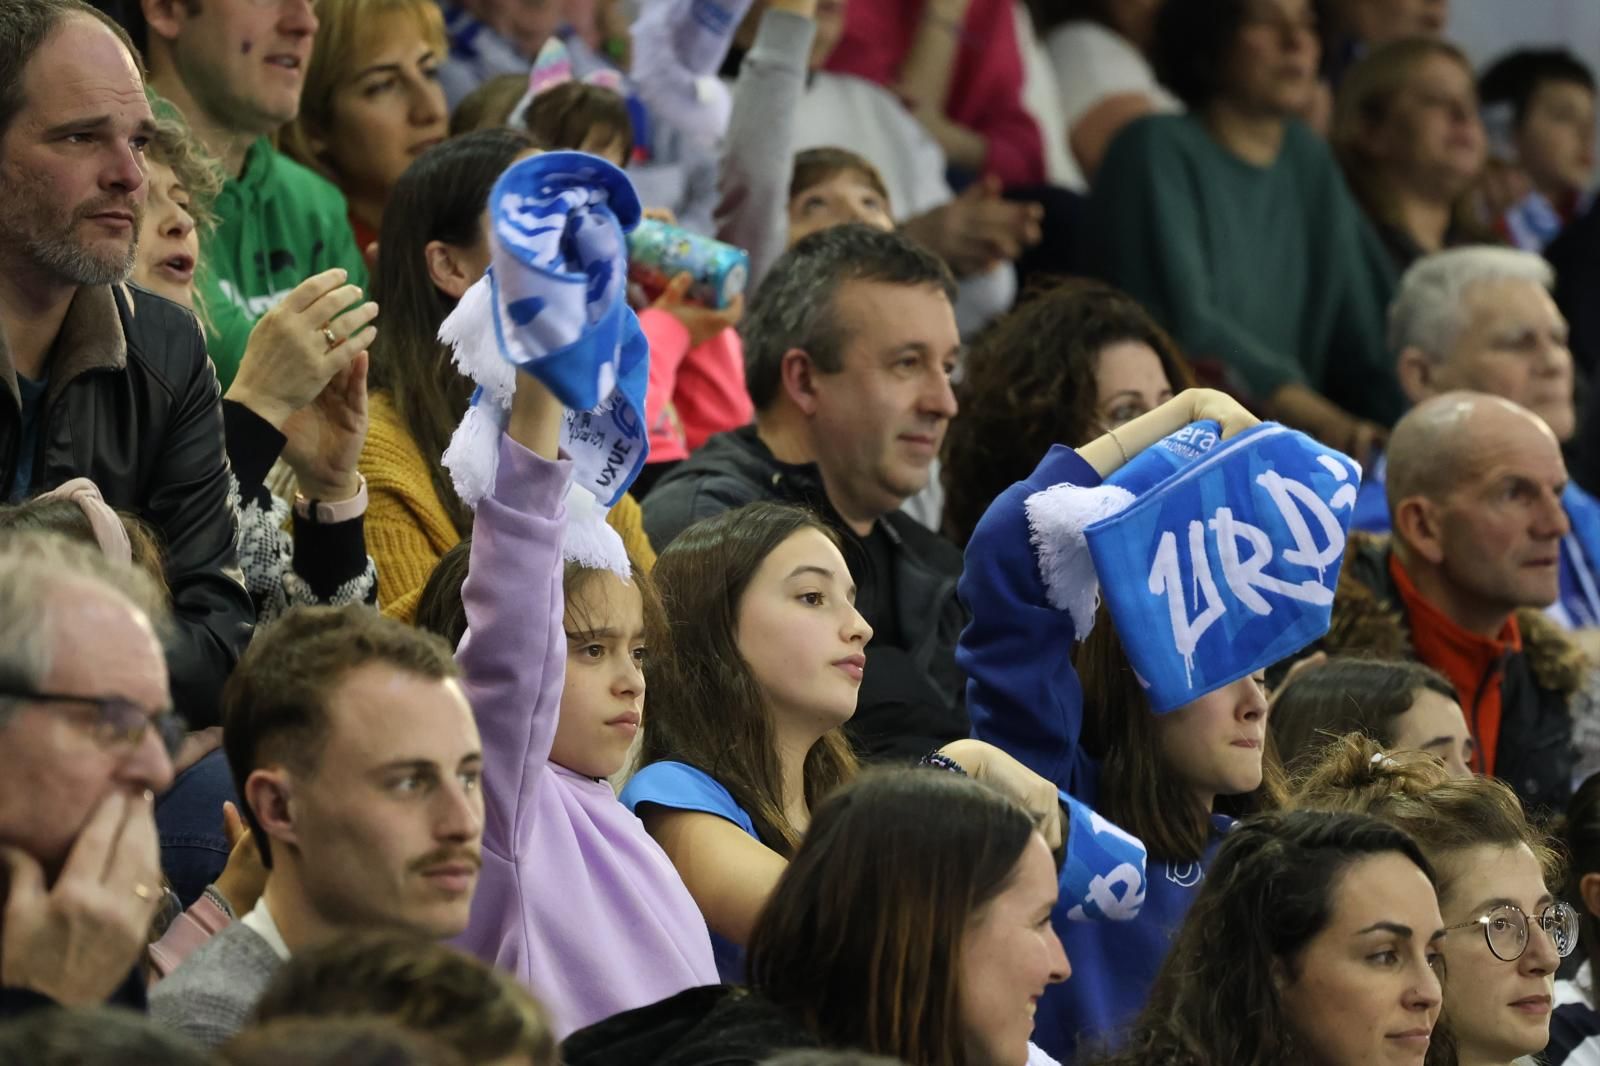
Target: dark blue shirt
28, 440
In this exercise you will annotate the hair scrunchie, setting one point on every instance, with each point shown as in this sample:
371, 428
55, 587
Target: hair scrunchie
109, 532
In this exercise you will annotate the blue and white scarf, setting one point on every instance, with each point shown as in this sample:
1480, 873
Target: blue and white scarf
1215, 559
553, 304
1103, 873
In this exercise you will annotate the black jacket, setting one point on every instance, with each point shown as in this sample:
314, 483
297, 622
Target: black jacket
710, 1026
133, 405
913, 696
1534, 752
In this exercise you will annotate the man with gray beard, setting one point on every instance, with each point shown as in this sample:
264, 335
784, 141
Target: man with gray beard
101, 379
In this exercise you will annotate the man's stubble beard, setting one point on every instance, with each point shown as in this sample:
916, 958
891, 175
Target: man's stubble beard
57, 249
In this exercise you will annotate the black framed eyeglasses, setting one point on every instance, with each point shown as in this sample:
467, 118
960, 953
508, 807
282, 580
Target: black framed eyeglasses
117, 722
1505, 928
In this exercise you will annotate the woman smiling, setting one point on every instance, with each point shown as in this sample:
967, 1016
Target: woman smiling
372, 100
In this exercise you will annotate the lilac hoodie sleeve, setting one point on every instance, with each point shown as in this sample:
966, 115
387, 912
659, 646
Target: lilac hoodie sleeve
513, 657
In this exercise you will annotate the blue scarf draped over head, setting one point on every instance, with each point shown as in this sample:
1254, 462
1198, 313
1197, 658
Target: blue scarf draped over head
1215, 559
553, 304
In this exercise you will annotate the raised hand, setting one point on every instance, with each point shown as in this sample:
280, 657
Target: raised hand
323, 439
244, 877
703, 323
298, 346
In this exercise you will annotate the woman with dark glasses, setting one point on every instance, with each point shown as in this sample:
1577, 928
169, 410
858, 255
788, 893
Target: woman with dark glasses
1506, 932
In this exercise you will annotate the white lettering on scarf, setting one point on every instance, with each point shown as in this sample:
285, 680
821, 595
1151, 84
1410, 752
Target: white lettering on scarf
1245, 575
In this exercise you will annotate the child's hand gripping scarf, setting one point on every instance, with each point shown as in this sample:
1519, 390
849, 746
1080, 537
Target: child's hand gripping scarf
1216, 559
678, 46
552, 304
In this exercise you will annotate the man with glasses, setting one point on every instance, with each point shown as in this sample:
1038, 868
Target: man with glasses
86, 736
98, 379
236, 69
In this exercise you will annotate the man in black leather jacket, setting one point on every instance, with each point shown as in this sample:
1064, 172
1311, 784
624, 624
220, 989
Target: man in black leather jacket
849, 345
100, 379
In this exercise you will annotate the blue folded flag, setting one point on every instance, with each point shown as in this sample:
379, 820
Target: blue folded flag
1103, 876
1226, 558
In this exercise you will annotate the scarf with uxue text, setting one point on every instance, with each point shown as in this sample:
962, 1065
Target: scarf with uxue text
552, 304
1215, 559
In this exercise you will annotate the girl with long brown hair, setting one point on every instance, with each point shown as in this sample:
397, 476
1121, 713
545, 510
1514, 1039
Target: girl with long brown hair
1084, 720
435, 245
748, 695
1316, 939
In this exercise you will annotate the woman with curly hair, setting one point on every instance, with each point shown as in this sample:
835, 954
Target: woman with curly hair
294, 395
1076, 359
1316, 938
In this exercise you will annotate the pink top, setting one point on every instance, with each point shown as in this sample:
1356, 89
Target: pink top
187, 932
694, 393
986, 90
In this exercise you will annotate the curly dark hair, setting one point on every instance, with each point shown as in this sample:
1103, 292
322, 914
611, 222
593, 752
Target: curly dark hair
1029, 383
1224, 957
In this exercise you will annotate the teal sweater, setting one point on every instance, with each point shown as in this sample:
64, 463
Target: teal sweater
1271, 271
278, 224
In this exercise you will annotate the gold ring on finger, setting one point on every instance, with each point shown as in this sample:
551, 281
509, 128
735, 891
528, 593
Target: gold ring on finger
328, 335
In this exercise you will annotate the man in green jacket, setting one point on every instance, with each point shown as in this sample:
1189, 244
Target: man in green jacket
236, 68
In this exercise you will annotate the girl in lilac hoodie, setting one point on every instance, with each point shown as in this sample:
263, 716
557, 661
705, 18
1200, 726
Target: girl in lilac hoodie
574, 898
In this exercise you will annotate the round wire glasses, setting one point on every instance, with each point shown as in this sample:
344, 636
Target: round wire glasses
1505, 928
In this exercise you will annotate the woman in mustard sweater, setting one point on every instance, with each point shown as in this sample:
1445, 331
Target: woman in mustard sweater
433, 246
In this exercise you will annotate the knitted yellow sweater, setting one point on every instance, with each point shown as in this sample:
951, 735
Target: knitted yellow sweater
407, 527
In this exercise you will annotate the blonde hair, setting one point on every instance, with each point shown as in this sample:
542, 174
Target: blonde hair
1365, 97
345, 27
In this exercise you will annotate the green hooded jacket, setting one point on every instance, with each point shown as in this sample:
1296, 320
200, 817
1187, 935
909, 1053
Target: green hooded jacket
278, 224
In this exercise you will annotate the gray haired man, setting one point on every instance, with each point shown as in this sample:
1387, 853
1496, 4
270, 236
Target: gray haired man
1481, 319
85, 728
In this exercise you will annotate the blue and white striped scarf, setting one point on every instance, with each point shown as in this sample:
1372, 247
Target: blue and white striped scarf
553, 303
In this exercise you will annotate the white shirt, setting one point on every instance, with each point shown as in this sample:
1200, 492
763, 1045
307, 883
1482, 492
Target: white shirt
260, 922
1093, 62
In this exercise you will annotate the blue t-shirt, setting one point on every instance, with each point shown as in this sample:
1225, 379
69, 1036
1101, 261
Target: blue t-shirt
680, 787
28, 440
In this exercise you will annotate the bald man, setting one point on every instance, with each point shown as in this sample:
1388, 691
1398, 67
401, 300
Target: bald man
1474, 491
1482, 319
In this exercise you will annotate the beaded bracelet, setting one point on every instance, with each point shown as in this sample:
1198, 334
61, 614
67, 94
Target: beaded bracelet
940, 761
